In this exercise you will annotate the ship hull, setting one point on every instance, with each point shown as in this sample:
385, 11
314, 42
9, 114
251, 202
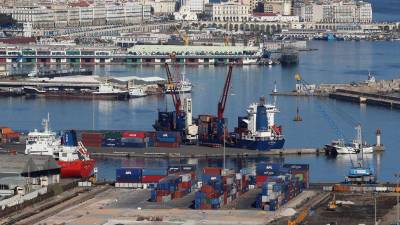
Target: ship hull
76, 168
261, 145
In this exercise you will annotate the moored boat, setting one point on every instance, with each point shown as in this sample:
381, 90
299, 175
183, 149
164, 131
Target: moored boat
257, 131
71, 155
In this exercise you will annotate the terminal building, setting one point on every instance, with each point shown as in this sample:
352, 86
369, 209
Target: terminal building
18, 173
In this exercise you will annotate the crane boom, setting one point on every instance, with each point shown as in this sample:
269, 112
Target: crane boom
224, 96
175, 96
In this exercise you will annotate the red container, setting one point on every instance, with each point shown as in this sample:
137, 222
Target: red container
151, 179
187, 184
167, 144
206, 188
212, 170
134, 134
260, 180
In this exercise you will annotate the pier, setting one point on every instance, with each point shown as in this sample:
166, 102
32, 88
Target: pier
367, 98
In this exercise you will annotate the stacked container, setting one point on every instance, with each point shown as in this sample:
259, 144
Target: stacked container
168, 139
7, 135
129, 175
134, 139
112, 139
172, 187
218, 188
183, 169
92, 139
301, 171
283, 183
211, 130
265, 170
153, 175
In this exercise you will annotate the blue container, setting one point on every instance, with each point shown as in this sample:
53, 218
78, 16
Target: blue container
69, 138
153, 195
154, 171
164, 134
188, 168
128, 175
132, 140
210, 178
133, 145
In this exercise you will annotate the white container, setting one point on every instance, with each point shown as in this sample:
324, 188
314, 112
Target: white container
186, 177
238, 176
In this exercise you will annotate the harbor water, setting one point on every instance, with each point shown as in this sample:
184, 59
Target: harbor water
323, 119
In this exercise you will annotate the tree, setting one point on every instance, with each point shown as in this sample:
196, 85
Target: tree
259, 7
7, 21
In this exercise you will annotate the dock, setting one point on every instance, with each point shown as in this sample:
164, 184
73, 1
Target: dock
392, 102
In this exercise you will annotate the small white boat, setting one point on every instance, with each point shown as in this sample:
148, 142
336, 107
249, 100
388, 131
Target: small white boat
137, 92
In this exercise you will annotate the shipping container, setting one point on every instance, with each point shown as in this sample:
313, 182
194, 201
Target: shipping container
212, 170
134, 134
154, 171
129, 175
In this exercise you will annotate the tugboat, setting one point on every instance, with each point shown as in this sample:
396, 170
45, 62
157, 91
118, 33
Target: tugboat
257, 131
71, 155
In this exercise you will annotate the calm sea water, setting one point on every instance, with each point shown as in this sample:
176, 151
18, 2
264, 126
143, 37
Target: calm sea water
334, 62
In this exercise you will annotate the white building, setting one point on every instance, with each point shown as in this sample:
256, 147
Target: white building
232, 12
196, 6
281, 7
337, 12
185, 14
61, 16
161, 7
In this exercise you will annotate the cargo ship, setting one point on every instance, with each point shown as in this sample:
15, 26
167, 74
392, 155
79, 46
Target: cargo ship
257, 130
71, 155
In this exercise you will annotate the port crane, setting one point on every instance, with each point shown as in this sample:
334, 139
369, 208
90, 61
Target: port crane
221, 105
183, 115
175, 96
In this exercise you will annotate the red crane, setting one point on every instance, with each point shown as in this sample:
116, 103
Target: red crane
224, 96
175, 96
